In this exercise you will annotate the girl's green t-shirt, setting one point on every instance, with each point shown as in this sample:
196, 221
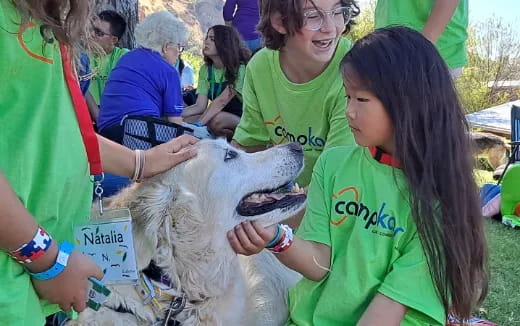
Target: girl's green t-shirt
41, 153
204, 85
359, 208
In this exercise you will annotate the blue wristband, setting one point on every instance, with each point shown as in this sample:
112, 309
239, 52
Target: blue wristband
198, 124
276, 238
59, 266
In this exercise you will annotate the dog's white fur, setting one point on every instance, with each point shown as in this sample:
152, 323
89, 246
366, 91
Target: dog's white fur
180, 220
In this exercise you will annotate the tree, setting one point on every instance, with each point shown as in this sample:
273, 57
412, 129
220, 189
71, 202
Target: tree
364, 23
493, 56
129, 9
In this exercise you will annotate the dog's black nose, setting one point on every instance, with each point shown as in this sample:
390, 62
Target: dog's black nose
295, 147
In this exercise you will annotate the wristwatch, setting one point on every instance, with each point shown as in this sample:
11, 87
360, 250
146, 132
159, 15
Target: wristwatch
59, 266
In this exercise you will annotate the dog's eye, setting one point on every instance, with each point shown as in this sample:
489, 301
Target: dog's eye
230, 154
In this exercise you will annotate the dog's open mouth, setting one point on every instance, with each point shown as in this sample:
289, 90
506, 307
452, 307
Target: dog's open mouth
264, 201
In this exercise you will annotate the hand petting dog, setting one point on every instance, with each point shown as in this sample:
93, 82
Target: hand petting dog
165, 156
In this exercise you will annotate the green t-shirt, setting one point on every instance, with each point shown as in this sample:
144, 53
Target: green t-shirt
219, 77
101, 70
359, 208
415, 13
41, 153
277, 110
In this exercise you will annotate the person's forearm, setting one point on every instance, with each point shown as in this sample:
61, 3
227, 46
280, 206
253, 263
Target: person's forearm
440, 16
177, 120
228, 10
18, 227
383, 311
309, 258
92, 106
116, 158
214, 108
193, 110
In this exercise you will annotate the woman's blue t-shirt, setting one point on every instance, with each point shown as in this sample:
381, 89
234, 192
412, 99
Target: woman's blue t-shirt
142, 83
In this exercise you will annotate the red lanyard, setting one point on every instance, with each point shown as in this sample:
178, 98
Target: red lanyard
82, 114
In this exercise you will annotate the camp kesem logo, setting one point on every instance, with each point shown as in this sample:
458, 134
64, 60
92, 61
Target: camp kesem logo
346, 205
285, 136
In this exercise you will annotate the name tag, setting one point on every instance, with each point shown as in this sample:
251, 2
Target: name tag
108, 240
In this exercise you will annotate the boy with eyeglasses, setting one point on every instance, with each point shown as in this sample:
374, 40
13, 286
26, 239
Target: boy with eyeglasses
293, 90
109, 27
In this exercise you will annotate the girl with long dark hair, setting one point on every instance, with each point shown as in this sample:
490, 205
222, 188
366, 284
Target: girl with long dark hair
393, 233
220, 80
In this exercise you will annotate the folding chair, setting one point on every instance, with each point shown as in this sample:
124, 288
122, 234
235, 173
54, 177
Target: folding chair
510, 192
515, 133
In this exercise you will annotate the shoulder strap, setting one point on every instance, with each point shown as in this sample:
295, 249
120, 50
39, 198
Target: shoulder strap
82, 114
181, 66
210, 74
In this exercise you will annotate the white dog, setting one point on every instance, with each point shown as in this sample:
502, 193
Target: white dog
180, 220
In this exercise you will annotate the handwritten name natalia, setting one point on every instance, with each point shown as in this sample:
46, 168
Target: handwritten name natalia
103, 238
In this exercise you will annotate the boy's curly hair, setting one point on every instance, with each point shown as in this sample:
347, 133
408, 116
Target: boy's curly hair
292, 19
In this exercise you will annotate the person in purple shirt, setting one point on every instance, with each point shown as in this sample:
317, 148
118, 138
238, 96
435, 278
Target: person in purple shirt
244, 15
144, 81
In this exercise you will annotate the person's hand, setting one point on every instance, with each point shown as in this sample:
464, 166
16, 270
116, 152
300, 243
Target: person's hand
226, 95
165, 156
69, 288
231, 92
249, 238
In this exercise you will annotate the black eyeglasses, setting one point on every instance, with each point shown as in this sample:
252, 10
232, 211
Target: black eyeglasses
100, 33
181, 48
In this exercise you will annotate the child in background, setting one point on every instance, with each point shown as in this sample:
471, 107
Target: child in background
393, 233
108, 27
220, 80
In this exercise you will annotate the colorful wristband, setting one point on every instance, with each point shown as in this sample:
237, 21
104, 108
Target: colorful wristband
285, 241
33, 249
59, 266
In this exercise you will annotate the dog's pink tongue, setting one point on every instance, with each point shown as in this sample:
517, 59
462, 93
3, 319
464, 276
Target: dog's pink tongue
275, 196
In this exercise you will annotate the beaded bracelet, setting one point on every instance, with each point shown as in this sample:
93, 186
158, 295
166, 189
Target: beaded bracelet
33, 249
285, 241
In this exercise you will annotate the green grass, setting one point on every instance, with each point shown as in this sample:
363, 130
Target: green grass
503, 301
502, 304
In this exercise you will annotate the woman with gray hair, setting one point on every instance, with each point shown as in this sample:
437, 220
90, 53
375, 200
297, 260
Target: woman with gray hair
144, 81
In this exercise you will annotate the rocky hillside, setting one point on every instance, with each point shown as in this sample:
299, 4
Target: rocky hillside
198, 15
